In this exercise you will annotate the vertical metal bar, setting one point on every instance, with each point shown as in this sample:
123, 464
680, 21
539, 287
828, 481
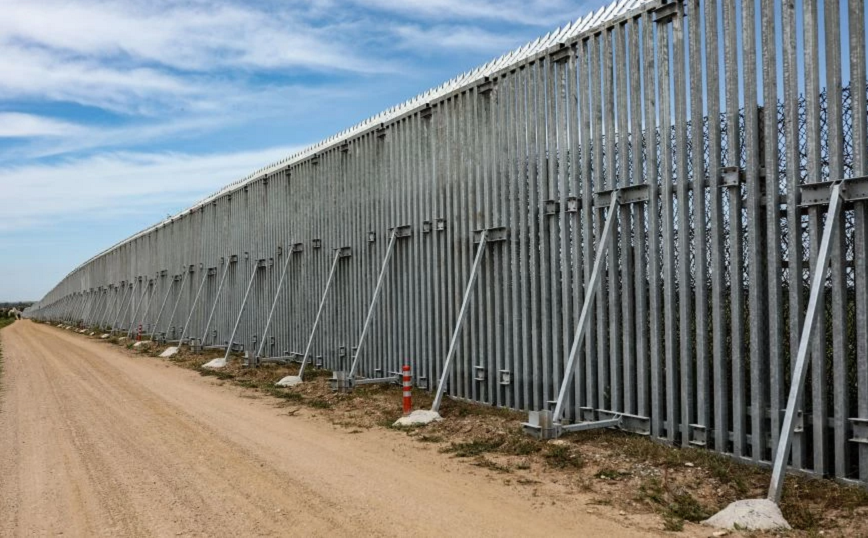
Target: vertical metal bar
860, 168
730, 41
459, 323
774, 300
685, 299
654, 284
755, 246
819, 410
835, 143
795, 237
703, 405
669, 301
808, 332
602, 246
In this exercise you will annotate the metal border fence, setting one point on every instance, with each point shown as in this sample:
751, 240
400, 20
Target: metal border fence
706, 125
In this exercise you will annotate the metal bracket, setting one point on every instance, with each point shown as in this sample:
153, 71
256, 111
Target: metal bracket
698, 435
344, 252
572, 204
372, 237
505, 377
541, 425
552, 207
731, 176
297, 247
626, 195
426, 226
316, 243
665, 13
562, 54
440, 225
479, 373
860, 430
212, 271
233, 258
402, 231
486, 87
852, 190
500, 233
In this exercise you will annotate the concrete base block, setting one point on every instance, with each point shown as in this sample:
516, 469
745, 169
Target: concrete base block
171, 352
420, 417
104, 337
749, 514
216, 363
289, 381
140, 344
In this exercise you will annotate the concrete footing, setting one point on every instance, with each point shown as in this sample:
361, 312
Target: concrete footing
420, 417
289, 381
171, 352
749, 514
104, 337
216, 363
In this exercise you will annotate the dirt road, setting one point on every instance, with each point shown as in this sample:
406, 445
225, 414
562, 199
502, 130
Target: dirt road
94, 442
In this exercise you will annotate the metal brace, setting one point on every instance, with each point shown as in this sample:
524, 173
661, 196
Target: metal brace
440, 225
572, 204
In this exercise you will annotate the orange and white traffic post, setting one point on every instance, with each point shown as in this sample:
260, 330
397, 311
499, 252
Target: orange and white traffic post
408, 386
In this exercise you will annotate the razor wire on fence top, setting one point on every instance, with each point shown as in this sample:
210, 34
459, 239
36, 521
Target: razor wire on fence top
705, 279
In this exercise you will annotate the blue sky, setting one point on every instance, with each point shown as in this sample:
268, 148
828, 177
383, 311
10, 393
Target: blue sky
115, 114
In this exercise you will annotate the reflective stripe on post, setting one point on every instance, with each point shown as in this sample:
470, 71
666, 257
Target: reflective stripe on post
408, 395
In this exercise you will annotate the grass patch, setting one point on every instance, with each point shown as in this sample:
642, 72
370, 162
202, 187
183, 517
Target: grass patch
473, 448
486, 463
319, 403
219, 374
430, 439
607, 473
561, 457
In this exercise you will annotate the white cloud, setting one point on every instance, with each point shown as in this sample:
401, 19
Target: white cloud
523, 12
117, 183
17, 125
433, 39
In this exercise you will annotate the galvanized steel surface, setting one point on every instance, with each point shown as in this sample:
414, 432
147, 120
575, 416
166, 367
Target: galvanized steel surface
705, 120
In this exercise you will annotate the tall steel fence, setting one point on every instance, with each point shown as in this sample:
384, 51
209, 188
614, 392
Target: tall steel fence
716, 127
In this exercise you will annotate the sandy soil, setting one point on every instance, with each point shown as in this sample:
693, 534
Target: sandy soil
96, 442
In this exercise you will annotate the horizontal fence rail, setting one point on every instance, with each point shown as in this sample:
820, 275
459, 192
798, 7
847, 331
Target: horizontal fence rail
718, 125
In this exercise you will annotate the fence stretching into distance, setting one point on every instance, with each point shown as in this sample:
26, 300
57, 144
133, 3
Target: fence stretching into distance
711, 119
